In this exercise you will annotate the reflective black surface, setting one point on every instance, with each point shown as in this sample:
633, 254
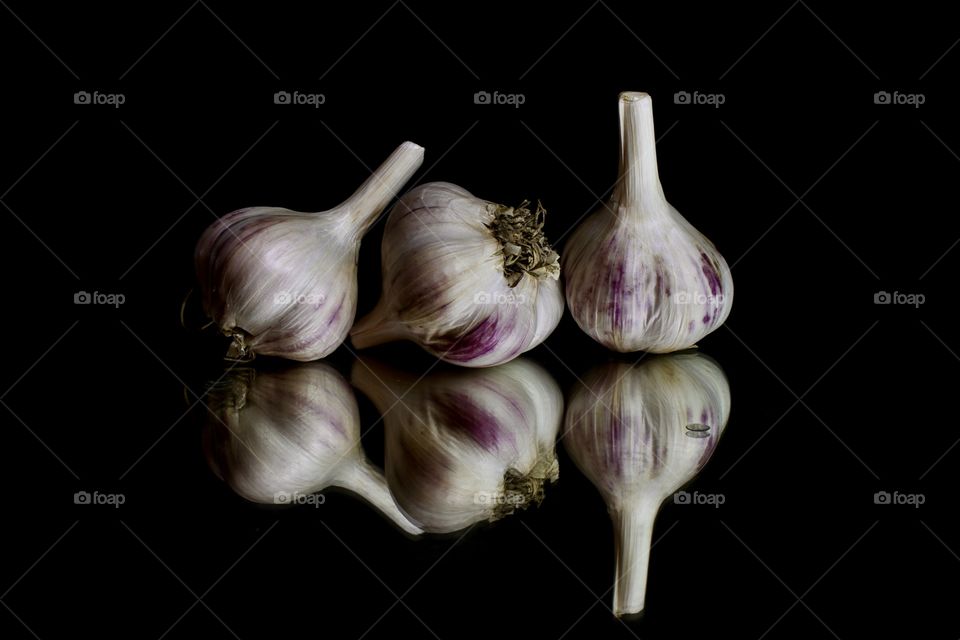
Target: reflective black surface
819, 198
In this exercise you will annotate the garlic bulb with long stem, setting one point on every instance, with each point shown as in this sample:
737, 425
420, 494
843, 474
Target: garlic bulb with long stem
472, 282
639, 277
284, 283
639, 433
278, 437
465, 446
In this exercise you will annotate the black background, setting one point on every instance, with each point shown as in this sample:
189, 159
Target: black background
817, 196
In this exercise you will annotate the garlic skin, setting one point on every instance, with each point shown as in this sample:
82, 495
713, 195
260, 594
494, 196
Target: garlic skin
284, 283
450, 282
639, 277
639, 433
277, 436
465, 446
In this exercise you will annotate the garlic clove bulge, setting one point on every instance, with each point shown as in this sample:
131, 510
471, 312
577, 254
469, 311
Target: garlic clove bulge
639, 277
465, 446
472, 282
284, 283
278, 437
639, 433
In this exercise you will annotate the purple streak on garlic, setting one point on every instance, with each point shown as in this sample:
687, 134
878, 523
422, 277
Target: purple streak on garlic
639, 277
631, 430
284, 283
465, 446
472, 282
279, 437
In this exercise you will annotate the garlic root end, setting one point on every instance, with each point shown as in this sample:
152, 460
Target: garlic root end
522, 490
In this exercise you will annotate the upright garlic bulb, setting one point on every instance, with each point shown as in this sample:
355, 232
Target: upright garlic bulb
468, 445
279, 437
639, 277
472, 282
639, 433
284, 283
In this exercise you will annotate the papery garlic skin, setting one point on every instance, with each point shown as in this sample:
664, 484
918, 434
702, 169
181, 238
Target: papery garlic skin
639, 277
639, 433
469, 445
278, 437
445, 286
284, 283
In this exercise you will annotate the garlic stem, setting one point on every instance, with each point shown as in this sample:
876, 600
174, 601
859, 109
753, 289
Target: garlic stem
368, 482
633, 535
385, 388
376, 328
639, 180
383, 185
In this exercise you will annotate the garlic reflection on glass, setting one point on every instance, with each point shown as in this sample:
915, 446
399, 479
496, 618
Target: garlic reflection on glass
472, 282
284, 283
639, 433
639, 277
278, 437
465, 446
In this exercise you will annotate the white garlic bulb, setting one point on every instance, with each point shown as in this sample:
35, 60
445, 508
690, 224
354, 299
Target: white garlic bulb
465, 446
472, 282
284, 283
279, 437
639, 277
639, 433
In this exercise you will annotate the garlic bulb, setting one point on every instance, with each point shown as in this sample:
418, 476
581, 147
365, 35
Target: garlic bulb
639, 433
279, 437
284, 283
469, 445
472, 282
639, 277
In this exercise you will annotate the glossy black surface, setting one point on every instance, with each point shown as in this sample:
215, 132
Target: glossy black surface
817, 196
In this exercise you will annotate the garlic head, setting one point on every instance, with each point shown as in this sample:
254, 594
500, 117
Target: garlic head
639, 433
466, 446
284, 283
639, 277
278, 436
472, 282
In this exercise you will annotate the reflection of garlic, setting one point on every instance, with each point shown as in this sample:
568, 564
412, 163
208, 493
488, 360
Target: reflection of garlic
639, 277
277, 437
284, 283
639, 433
466, 445
472, 282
